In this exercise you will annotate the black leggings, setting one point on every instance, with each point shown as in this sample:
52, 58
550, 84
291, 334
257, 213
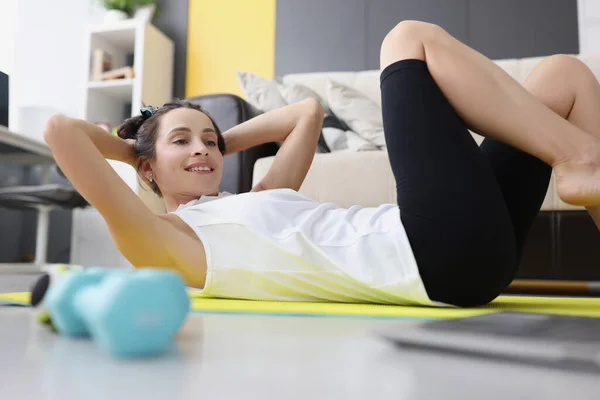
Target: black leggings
467, 209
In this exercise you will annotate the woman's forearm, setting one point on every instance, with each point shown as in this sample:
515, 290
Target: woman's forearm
112, 147
273, 126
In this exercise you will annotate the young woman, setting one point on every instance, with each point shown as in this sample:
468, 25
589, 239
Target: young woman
463, 213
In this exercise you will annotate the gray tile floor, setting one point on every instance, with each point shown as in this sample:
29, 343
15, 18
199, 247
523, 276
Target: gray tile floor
225, 356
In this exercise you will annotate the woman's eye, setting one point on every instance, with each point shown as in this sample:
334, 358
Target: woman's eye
180, 141
211, 142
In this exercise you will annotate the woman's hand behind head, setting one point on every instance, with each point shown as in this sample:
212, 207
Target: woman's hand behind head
133, 157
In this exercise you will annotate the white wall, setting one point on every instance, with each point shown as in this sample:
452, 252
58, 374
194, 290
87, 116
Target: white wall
8, 11
589, 26
47, 70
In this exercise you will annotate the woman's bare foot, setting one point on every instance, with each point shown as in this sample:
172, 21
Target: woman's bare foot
578, 177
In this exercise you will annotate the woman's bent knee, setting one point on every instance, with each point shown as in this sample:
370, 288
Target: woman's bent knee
468, 269
563, 61
406, 41
472, 286
564, 66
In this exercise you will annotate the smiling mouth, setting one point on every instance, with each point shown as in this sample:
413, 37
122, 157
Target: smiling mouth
201, 170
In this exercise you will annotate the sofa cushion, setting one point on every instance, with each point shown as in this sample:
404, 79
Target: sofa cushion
345, 140
260, 92
294, 92
339, 137
360, 113
366, 82
345, 178
333, 137
267, 95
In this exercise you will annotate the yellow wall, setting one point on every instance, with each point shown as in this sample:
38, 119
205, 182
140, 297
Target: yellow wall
225, 36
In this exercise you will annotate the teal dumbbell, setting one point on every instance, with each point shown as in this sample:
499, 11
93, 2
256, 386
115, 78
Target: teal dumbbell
126, 313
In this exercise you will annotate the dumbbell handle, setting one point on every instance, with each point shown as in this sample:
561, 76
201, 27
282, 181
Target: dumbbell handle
85, 302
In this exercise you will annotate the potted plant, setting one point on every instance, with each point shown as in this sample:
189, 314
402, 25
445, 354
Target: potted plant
117, 10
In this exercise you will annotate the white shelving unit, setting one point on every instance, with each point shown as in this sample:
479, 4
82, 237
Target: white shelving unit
121, 89
151, 53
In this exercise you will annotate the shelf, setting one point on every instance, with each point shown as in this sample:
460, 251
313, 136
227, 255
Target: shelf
120, 34
119, 89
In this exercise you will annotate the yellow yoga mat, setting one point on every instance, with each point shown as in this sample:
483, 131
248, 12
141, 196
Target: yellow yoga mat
579, 306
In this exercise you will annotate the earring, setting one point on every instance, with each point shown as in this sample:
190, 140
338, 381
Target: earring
150, 177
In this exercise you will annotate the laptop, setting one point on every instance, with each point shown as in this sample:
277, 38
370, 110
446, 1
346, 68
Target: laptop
561, 341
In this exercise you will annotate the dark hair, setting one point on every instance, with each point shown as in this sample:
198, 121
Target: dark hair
144, 131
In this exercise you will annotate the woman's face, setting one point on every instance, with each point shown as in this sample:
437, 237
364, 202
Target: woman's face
188, 162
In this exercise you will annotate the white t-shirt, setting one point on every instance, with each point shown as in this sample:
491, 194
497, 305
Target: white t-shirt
281, 245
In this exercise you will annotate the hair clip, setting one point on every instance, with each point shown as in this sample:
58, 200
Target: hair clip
148, 111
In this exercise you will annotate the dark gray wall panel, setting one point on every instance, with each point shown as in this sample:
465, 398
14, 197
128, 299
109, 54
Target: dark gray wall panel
10, 220
333, 35
10, 233
172, 20
383, 15
320, 35
523, 28
59, 234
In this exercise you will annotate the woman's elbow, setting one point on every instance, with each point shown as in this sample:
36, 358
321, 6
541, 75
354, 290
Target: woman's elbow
314, 109
54, 125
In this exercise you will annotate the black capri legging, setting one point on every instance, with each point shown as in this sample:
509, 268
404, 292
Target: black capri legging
466, 209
